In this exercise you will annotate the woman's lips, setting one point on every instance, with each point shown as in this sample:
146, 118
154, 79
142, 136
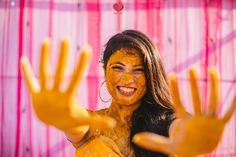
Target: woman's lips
126, 91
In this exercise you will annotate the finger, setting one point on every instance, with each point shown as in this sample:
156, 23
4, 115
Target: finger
177, 104
213, 92
153, 142
44, 64
83, 61
61, 65
194, 90
230, 111
31, 81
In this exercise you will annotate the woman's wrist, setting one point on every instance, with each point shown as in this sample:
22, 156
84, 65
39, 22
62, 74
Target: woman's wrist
75, 135
173, 128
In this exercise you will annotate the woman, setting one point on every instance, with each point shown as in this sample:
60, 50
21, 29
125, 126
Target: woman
141, 101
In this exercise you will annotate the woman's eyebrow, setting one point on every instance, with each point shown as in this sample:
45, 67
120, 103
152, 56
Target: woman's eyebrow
138, 65
118, 63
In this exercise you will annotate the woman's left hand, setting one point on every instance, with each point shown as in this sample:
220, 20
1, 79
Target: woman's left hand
190, 135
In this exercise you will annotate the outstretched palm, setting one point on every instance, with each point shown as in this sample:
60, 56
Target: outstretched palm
190, 135
52, 104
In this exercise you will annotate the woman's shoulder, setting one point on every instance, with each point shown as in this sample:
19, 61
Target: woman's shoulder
96, 144
103, 111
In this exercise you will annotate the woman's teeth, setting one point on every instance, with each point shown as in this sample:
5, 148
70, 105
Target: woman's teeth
126, 90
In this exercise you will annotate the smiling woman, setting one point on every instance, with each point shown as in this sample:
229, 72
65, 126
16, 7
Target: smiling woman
141, 102
137, 104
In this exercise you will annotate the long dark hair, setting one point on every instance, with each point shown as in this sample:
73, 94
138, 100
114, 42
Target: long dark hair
155, 112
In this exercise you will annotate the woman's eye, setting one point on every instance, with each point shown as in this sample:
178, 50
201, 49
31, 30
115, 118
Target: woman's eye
117, 68
139, 70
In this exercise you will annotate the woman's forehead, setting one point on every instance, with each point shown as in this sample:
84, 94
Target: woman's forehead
130, 56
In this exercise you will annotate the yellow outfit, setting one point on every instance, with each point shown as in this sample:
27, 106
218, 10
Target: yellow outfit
98, 147
109, 143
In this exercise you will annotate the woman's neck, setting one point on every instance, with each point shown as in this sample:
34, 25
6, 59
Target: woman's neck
123, 113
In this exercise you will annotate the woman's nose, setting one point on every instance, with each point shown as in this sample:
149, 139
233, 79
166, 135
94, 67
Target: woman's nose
127, 78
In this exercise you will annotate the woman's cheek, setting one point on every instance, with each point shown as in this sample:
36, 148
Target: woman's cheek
140, 81
114, 77
112, 80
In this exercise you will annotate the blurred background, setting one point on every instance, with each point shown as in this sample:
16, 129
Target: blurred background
198, 33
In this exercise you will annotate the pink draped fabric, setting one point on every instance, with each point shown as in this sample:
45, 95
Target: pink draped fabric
198, 33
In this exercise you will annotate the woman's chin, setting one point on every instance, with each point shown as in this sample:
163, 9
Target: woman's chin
126, 101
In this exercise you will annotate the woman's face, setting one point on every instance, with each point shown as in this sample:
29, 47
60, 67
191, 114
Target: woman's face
125, 77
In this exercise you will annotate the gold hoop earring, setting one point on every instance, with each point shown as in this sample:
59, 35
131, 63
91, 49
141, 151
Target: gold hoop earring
105, 101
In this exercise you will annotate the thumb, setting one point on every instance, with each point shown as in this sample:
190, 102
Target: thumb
153, 142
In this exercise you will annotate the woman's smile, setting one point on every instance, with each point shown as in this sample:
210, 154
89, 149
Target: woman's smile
126, 91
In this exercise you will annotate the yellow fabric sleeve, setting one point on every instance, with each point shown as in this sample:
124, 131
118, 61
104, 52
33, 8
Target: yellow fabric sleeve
98, 147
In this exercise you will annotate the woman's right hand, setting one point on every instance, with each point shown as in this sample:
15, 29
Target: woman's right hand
53, 105
191, 134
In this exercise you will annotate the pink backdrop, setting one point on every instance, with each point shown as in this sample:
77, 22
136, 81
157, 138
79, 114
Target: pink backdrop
197, 33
